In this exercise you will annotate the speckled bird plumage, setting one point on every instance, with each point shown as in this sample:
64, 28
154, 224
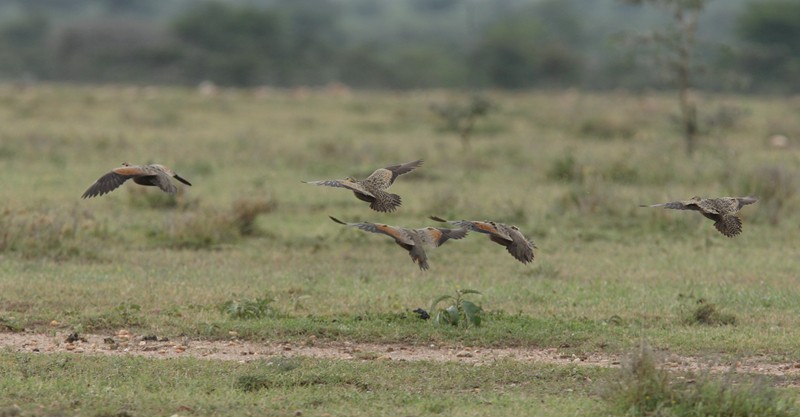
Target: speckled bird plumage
412, 240
373, 188
148, 175
723, 210
519, 246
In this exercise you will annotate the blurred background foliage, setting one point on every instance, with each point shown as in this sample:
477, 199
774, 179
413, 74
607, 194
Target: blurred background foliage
745, 45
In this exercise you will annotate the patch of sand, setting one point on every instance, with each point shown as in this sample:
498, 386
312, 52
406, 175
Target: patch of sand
124, 343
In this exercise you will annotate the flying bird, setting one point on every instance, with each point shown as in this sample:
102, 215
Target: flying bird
150, 175
373, 188
520, 247
722, 210
412, 240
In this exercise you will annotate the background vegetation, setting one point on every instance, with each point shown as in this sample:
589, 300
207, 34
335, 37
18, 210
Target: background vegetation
511, 44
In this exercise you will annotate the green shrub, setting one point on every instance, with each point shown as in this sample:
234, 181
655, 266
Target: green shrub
642, 389
246, 309
707, 314
566, 169
246, 210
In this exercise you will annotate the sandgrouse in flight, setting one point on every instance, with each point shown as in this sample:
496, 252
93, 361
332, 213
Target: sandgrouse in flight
722, 210
515, 242
412, 240
150, 175
373, 188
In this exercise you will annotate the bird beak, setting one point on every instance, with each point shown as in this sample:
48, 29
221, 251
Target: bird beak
178, 177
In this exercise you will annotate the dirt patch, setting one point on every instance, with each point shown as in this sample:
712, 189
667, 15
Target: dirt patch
123, 343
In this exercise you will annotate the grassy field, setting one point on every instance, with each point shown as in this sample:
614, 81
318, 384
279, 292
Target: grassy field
568, 168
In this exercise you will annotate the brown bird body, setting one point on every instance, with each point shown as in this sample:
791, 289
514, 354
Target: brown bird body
520, 247
148, 175
373, 188
722, 210
412, 240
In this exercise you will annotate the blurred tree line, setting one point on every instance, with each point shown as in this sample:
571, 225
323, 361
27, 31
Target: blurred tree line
510, 44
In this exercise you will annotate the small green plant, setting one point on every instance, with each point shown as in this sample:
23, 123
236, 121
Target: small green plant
10, 324
128, 312
460, 311
246, 309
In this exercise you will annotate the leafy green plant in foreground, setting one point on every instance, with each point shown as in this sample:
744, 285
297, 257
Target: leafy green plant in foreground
460, 311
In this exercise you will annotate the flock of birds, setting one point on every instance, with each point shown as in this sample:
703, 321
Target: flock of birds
374, 190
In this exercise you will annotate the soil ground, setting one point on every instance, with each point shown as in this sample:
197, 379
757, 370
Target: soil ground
123, 343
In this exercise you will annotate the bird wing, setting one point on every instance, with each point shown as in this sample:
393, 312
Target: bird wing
521, 247
401, 169
419, 256
350, 185
743, 201
475, 226
677, 205
436, 236
395, 232
385, 202
161, 179
112, 180
729, 225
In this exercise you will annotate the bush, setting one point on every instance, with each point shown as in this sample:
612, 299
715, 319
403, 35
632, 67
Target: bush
566, 169
641, 389
246, 210
707, 314
210, 228
56, 234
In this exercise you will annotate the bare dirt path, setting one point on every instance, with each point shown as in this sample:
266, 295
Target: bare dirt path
124, 343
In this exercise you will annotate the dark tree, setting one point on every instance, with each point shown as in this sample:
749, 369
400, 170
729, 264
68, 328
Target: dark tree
677, 44
771, 31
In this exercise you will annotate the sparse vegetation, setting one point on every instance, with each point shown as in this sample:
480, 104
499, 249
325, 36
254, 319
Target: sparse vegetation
49, 233
606, 274
642, 389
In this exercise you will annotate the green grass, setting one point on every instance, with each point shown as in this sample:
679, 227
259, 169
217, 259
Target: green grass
568, 168
55, 385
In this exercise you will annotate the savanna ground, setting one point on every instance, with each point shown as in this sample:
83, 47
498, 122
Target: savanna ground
248, 257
